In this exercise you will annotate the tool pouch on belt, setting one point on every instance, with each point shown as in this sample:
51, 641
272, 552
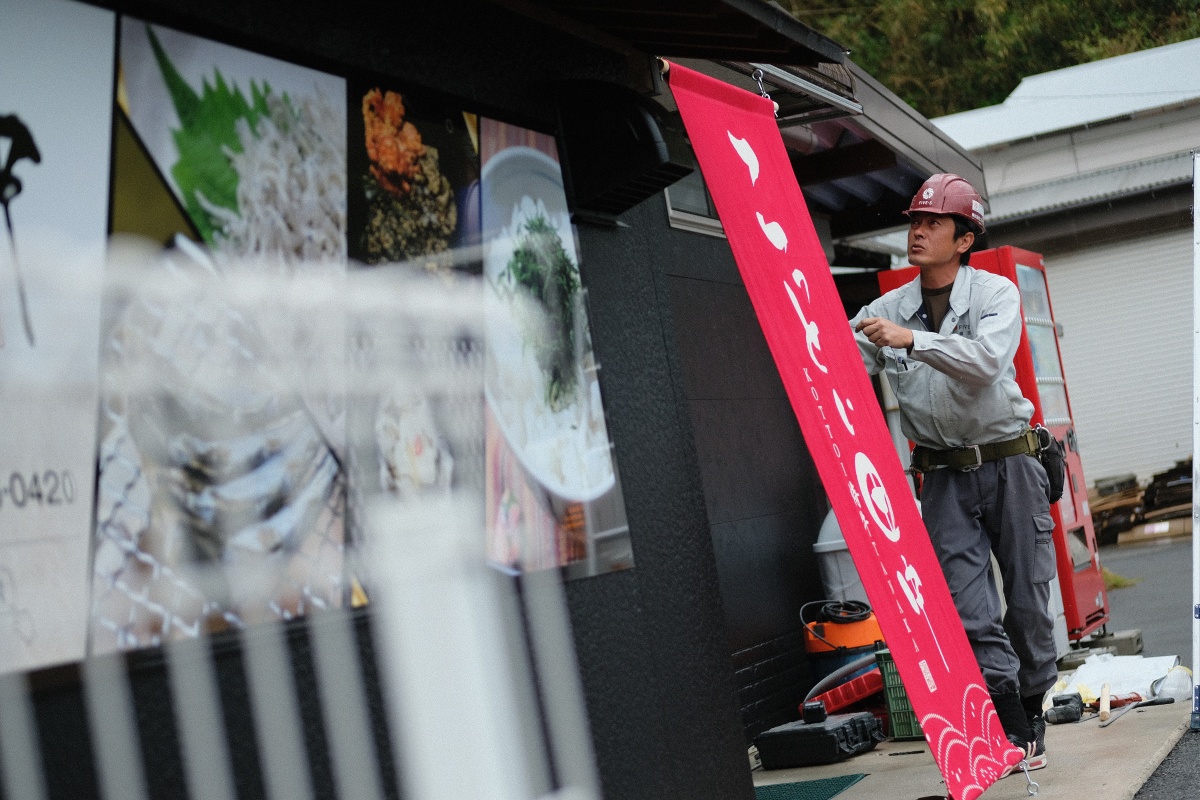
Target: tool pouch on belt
1050, 453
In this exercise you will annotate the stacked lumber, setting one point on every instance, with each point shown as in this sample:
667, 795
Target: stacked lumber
1169, 493
1116, 506
1124, 512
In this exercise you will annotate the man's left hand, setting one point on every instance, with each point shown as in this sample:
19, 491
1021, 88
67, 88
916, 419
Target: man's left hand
885, 333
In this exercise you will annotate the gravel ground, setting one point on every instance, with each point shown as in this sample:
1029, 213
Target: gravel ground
1178, 776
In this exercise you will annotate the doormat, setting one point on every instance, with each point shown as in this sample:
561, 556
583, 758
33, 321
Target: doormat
822, 789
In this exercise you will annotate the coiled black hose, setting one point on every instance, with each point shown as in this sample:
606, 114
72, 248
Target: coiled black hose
838, 612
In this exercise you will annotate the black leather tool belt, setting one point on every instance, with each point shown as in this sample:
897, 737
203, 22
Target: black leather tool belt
973, 456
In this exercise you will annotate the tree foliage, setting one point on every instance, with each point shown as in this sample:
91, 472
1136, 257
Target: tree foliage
944, 56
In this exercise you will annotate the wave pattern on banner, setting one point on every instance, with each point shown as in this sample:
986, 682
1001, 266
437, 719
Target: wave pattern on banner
948, 742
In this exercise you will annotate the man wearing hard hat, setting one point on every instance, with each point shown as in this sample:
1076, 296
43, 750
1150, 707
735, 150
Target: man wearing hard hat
946, 342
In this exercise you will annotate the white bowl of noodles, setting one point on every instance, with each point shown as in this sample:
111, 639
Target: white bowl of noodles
541, 377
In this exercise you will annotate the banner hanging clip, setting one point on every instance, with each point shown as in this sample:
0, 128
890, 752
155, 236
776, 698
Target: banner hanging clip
757, 76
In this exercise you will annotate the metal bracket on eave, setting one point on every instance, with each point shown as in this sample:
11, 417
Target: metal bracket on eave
782, 77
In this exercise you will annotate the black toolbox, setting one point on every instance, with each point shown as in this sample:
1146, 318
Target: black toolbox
836, 738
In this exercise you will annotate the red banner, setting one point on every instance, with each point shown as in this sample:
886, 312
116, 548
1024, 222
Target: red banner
783, 266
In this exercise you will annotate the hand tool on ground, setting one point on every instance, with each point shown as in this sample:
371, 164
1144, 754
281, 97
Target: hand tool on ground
1157, 701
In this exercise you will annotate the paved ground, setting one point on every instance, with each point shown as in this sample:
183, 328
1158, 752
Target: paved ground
1160, 605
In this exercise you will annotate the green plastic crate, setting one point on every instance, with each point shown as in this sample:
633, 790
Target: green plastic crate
902, 721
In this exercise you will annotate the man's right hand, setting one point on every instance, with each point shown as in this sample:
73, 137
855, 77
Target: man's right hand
885, 333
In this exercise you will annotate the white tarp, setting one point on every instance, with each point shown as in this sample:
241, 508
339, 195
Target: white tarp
1123, 674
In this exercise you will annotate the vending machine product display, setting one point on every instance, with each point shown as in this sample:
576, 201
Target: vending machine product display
1041, 378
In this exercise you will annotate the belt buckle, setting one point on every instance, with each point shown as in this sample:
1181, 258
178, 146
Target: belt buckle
978, 458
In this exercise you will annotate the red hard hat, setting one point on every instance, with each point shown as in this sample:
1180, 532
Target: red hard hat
949, 194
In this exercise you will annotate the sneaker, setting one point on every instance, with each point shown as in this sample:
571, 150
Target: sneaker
1034, 753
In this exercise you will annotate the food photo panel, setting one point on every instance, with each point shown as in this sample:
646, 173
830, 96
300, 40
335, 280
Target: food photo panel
222, 491
416, 417
553, 498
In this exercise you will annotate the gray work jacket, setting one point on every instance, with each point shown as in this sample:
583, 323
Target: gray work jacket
957, 386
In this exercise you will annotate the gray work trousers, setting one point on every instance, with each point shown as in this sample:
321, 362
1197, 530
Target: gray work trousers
1002, 508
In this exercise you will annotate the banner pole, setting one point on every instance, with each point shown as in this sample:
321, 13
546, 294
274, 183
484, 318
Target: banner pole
1195, 724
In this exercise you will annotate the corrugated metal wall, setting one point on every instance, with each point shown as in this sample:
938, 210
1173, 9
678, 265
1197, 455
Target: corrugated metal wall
1127, 351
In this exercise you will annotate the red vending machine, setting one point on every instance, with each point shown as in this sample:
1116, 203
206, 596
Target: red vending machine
1040, 376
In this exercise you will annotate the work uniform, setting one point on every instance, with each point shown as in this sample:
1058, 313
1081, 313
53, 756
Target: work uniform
956, 388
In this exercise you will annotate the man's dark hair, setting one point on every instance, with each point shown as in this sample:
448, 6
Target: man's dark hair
962, 226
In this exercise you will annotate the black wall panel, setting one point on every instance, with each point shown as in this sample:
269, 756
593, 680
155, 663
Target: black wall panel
684, 659
764, 497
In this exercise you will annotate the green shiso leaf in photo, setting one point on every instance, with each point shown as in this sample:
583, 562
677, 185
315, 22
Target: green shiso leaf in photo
207, 134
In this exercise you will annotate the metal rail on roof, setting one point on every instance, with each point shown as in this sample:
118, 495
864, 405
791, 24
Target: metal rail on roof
784, 78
